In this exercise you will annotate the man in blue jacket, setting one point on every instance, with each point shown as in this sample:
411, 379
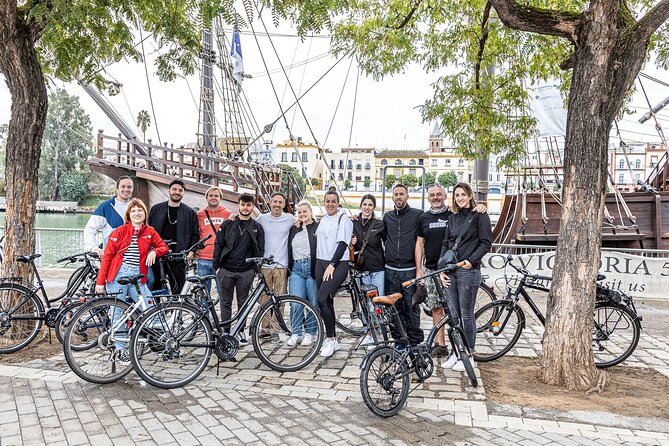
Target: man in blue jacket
108, 216
401, 230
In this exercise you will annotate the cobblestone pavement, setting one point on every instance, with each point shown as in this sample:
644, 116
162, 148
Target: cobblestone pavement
42, 402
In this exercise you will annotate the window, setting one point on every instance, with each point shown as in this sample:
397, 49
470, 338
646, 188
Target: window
358, 178
621, 178
368, 166
358, 167
293, 157
621, 164
332, 164
350, 164
461, 162
412, 171
420, 162
384, 162
434, 162
284, 157
447, 162
341, 176
637, 176
412, 162
653, 161
638, 164
305, 157
350, 175
489, 177
341, 164
398, 162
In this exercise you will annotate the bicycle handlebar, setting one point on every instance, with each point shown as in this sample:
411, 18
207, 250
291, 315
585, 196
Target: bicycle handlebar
79, 257
446, 269
261, 260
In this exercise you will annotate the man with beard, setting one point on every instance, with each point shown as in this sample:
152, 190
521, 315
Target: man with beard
401, 226
210, 219
276, 226
177, 222
108, 216
236, 240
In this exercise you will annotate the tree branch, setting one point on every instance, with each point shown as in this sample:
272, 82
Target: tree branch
482, 42
653, 19
538, 20
409, 16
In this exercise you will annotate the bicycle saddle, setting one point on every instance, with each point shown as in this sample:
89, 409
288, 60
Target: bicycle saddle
200, 279
600, 277
388, 300
127, 280
27, 259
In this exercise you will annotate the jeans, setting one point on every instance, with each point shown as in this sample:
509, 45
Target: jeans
409, 314
376, 279
461, 297
301, 284
127, 292
205, 268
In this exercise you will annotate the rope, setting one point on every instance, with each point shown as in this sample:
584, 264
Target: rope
658, 127
148, 84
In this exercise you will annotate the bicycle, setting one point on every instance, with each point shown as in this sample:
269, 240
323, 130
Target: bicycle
94, 330
23, 310
172, 343
616, 329
385, 375
351, 318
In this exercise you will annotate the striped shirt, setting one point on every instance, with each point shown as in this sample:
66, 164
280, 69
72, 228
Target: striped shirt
131, 255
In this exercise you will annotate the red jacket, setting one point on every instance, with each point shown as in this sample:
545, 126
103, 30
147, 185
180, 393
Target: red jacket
119, 241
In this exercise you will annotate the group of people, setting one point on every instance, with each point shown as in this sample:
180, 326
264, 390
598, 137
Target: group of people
311, 257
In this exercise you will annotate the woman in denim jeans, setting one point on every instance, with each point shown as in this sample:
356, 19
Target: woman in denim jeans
374, 261
475, 233
131, 249
301, 259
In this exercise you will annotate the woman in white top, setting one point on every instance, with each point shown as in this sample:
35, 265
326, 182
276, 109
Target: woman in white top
333, 236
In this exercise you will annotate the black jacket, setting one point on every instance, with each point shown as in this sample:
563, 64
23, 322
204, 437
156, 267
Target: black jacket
227, 235
477, 239
375, 260
401, 227
188, 228
311, 235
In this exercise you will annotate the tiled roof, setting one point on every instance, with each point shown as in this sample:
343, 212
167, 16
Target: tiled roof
401, 154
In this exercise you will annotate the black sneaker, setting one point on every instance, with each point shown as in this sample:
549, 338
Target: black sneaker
439, 350
241, 338
124, 357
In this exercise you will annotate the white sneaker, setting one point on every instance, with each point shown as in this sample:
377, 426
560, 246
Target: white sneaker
307, 340
336, 345
460, 367
328, 348
367, 340
450, 362
292, 341
283, 337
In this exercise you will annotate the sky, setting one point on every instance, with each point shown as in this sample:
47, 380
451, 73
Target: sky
386, 111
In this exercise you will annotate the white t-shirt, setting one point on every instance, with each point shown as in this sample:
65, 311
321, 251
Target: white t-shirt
276, 237
332, 229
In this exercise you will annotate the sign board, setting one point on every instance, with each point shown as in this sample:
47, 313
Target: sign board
635, 275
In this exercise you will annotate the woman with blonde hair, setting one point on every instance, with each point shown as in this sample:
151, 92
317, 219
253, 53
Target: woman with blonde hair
301, 260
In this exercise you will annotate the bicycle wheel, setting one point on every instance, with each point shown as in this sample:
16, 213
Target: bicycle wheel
484, 296
347, 314
465, 357
498, 328
97, 362
384, 381
20, 313
63, 320
274, 321
171, 345
615, 334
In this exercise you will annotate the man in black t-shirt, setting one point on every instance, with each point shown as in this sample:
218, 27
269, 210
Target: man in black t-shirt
237, 240
431, 231
177, 222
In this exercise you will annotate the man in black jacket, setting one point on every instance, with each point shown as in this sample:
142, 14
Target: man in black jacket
236, 241
401, 226
177, 222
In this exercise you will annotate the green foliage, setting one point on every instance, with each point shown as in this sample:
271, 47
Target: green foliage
66, 144
143, 122
448, 179
314, 181
409, 180
430, 179
390, 181
347, 184
367, 182
74, 186
289, 173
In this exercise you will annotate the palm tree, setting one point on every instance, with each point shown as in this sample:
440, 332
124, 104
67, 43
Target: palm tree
143, 122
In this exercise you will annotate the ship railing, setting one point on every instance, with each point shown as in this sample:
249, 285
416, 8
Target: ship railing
519, 249
657, 177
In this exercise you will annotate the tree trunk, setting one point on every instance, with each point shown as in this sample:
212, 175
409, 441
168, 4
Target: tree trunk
23, 73
605, 68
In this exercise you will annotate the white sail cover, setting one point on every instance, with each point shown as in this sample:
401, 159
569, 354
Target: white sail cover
236, 53
547, 108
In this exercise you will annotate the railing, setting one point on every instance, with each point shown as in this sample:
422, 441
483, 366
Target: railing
515, 249
55, 243
657, 177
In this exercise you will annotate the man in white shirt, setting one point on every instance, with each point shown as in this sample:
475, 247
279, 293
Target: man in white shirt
108, 216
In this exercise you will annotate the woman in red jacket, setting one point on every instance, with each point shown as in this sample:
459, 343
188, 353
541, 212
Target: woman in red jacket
131, 249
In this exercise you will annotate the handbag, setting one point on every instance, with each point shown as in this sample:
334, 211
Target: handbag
360, 259
450, 257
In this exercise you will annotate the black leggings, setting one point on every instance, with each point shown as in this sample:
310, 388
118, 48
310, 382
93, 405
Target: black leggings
326, 290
